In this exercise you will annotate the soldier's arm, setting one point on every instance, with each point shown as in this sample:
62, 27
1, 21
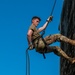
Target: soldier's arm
45, 25
29, 37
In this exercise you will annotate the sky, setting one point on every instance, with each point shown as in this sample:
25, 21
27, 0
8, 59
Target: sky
15, 19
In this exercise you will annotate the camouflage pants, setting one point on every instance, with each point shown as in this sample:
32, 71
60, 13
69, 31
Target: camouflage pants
58, 37
57, 50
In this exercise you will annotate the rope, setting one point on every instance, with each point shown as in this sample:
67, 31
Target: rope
50, 15
27, 63
53, 7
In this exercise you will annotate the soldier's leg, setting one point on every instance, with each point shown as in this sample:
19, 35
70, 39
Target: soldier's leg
58, 37
60, 52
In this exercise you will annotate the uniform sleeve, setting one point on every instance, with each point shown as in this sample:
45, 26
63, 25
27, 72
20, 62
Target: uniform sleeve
32, 28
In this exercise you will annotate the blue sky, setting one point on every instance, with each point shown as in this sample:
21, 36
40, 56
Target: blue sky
15, 19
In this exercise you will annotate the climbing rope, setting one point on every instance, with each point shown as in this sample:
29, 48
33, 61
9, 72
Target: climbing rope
50, 15
53, 7
27, 62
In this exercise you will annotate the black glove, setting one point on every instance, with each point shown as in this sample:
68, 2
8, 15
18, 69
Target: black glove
50, 18
31, 46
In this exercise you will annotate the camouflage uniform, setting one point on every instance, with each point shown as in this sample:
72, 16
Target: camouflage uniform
40, 45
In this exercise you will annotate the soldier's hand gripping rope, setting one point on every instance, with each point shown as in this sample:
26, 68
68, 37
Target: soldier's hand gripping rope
50, 18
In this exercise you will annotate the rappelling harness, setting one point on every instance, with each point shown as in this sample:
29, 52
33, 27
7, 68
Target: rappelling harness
44, 51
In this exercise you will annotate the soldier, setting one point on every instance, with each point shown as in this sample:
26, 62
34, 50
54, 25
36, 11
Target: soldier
42, 44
